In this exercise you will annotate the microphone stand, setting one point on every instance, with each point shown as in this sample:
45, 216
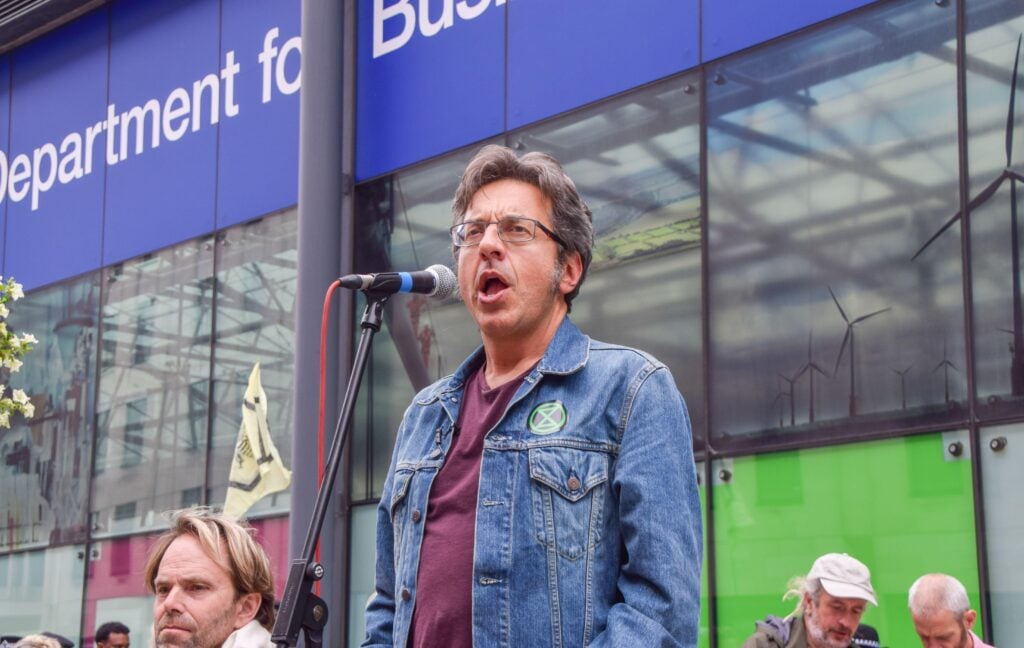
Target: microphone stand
300, 607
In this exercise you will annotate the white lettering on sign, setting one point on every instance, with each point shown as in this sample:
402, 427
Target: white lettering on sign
143, 127
402, 15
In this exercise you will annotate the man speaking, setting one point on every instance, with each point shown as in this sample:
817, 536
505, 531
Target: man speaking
545, 493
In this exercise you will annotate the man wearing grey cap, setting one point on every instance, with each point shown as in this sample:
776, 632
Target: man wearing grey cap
833, 596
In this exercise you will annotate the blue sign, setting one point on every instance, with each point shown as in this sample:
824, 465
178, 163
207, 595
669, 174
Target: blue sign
571, 52
53, 187
258, 166
431, 78
167, 95
143, 124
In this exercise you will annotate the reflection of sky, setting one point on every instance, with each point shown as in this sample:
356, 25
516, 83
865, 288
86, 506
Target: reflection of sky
839, 192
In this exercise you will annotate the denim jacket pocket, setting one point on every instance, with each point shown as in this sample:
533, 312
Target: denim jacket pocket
568, 497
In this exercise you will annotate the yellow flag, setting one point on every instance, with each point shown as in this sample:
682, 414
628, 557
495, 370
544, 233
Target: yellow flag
256, 469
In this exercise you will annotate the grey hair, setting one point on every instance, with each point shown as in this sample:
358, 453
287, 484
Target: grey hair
570, 217
800, 585
933, 593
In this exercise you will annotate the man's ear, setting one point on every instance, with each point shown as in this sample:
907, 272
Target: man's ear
572, 270
969, 618
247, 607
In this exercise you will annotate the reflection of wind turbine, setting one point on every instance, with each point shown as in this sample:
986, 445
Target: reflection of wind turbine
849, 337
792, 407
780, 398
903, 383
945, 365
1008, 173
811, 367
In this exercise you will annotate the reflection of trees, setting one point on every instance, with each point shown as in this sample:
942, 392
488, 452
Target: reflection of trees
180, 331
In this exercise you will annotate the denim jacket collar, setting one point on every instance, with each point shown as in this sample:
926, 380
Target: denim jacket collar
567, 352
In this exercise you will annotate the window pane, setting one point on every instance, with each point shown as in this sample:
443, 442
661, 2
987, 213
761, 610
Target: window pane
256, 279
42, 591
636, 162
994, 31
902, 506
44, 483
361, 570
153, 389
114, 589
831, 160
1002, 455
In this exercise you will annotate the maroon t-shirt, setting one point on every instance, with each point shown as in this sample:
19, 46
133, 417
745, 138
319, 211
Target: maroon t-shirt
443, 615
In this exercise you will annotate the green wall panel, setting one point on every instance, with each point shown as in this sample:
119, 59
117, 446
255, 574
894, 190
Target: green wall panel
902, 506
704, 638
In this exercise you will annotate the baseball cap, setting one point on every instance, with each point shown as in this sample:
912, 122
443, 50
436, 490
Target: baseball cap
843, 576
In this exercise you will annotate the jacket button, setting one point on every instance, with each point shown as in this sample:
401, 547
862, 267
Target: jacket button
406, 595
416, 516
573, 483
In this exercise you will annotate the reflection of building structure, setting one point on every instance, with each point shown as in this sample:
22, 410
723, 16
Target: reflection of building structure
728, 183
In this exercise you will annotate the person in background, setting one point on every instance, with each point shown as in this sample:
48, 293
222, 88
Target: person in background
545, 493
37, 641
213, 584
942, 613
112, 634
867, 637
833, 597
63, 641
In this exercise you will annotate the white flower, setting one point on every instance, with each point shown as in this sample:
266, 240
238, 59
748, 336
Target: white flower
20, 397
30, 410
13, 364
3, 328
5, 419
29, 338
16, 291
4, 311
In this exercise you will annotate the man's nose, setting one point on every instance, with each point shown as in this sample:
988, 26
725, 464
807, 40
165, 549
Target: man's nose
491, 243
172, 600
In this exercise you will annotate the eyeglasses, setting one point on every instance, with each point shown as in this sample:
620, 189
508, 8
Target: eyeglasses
511, 229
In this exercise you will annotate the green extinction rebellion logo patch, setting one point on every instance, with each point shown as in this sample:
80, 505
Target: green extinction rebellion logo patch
548, 418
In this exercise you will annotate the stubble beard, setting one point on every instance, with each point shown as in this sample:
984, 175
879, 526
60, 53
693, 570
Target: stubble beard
819, 635
202, 637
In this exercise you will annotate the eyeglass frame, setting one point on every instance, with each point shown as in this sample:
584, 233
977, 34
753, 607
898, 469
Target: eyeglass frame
554, 237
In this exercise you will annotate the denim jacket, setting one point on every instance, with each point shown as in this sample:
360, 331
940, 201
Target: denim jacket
588, 523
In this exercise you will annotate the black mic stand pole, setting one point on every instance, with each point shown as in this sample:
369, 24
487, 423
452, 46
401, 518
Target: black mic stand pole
300, 607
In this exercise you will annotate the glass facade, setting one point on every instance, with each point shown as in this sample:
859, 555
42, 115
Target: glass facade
773, 226
124, 429
818, 235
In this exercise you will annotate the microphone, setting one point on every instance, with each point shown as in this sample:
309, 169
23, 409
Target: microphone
436, 281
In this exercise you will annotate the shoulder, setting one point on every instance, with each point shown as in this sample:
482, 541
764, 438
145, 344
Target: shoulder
435, 390
605, 355
251, 635
772, 632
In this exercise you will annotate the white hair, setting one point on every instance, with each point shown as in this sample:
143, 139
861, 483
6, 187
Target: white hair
933, 593
800, 585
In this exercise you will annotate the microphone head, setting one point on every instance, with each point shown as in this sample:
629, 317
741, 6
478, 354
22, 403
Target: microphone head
446, 281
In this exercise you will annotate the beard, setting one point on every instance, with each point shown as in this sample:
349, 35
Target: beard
211, 636
820, 635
